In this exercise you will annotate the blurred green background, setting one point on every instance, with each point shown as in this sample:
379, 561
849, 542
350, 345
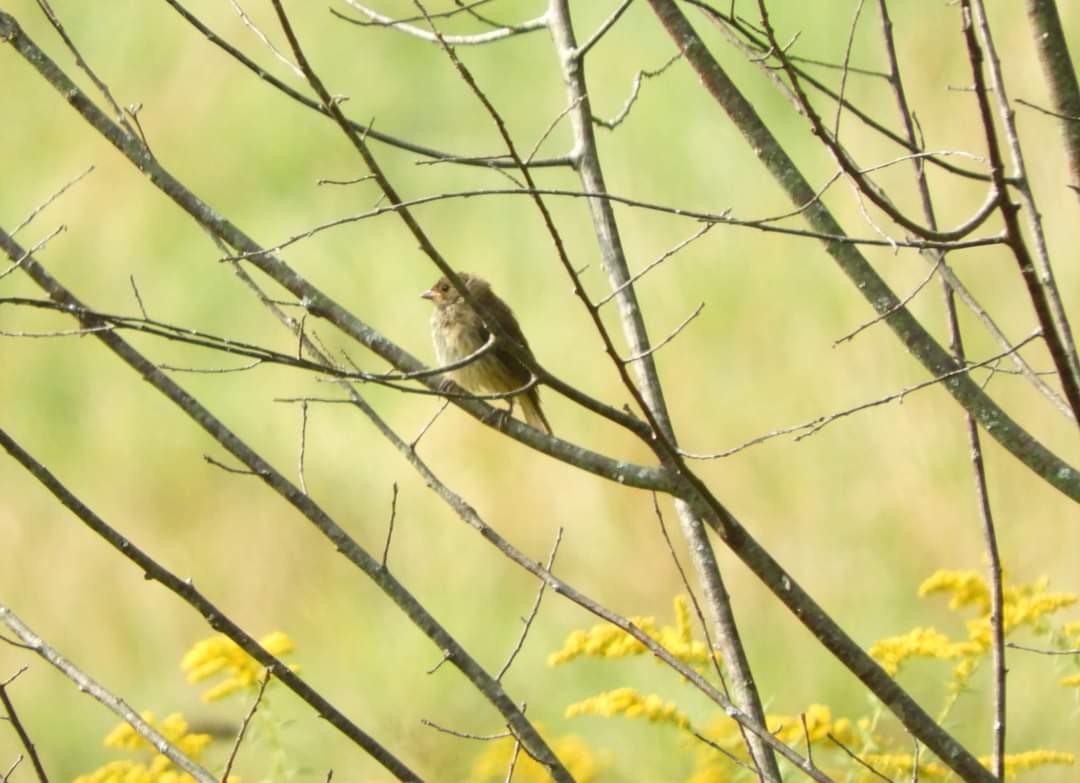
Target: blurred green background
860, 512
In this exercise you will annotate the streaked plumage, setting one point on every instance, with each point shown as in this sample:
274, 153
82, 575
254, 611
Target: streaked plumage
457, 331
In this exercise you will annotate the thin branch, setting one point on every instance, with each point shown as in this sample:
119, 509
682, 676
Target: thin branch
390, 529
635, 90
24, 736
903, 303
1042, 650
381, 20
54, 20
88, 685
816, 425
723, 218
465, 734
862, 762
528, 621
53, 197
303, 449
17, 262
244, 725
6, 777
656, 262
278, 55
674, 333
603, 29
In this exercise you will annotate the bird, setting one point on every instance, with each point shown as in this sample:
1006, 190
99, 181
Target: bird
457, 330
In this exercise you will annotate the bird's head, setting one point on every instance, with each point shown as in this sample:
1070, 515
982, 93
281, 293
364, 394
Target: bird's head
443, 292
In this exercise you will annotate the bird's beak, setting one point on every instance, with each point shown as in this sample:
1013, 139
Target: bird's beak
429, 294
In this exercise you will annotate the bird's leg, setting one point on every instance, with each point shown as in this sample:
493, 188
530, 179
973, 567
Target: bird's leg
499, 418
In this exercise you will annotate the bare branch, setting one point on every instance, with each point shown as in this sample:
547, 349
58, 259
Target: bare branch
244, 725
52, 197
381, 20
20, 730
88, 685
528, 621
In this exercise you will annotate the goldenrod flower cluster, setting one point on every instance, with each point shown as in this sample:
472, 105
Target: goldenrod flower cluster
159, 769
221, 655
892, 652
609, 641
629, 703
900, 764
1023, 605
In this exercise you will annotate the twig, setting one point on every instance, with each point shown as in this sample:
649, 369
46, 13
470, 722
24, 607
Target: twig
138, 297
550, 129
228, 468
635, 90
528, 621
674, 333
862, 762
845, 67
6, 777
54, 20
602, 30
446, 655
53, 197
539, 23
898, 306
390, 527
249, 24
244, 725
465, 734
1049, 112
423, 430
33, 249
16, 724
765, 224
513, 761
802, 715
1041, 650
815, 425
303, 449
656, 262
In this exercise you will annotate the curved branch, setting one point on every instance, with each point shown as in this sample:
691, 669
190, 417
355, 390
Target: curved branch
369, 131
500, 34
995, 194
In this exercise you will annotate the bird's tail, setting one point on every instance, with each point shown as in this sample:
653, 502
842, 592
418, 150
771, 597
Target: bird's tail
534, 416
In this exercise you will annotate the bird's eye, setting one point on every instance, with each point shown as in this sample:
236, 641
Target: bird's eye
444, 287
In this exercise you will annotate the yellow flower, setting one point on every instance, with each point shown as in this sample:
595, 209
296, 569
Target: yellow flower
219, 654
1017, 762
919, 643
966, 588
160, 768
628, 703
609, 641
897, 764
575, 755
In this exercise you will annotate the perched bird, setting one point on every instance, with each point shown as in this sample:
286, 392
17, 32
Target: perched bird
457, 331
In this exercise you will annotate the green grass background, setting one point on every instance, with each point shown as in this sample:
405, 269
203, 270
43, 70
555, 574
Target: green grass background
859, 513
